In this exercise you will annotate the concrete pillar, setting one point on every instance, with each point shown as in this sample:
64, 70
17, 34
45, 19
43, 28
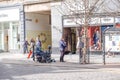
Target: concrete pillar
56, 27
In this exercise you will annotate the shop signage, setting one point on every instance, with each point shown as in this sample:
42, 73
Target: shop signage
69, 22
73, 22
107, 20
3, 15
95, 21
77, 22
9, 15
117, 20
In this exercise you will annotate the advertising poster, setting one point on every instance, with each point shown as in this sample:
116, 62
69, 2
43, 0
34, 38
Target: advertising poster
112, 43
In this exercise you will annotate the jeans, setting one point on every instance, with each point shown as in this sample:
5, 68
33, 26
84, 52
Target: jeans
25, 50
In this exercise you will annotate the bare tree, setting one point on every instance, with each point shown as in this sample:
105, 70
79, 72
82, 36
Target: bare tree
84, 12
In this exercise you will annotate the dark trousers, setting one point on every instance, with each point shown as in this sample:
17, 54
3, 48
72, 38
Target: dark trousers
80, 52
80, 55
62, 56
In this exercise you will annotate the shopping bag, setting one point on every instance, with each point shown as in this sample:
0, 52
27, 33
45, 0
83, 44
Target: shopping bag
29, 54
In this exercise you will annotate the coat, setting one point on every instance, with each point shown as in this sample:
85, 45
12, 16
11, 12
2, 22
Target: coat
62, 45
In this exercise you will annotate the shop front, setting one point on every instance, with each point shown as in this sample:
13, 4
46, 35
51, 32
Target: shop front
9, 35
11, 28
70, 34
38, 23
94, 31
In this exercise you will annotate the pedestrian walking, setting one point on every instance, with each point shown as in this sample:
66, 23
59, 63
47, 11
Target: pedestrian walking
38, 42
25, 46
62, 44
32, 48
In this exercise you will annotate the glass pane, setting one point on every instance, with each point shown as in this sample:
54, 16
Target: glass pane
0, 40
0, 26
6, 25
14, 34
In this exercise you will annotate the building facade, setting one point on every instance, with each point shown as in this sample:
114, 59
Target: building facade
68, 23
45, 19
23, 19
11, 27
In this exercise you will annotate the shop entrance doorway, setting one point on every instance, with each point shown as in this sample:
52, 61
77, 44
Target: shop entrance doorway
9, 36
70, 37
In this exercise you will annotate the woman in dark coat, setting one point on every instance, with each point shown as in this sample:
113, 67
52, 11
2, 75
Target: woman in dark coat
62, 44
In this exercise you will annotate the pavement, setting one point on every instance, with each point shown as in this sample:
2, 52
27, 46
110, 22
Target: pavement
70, 60
16, 66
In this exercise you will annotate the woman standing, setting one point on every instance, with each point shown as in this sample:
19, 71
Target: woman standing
62, 49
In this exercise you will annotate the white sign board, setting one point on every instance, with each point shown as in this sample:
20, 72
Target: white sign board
9, 15
70, 23
117, 20
107, 20
95, 21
